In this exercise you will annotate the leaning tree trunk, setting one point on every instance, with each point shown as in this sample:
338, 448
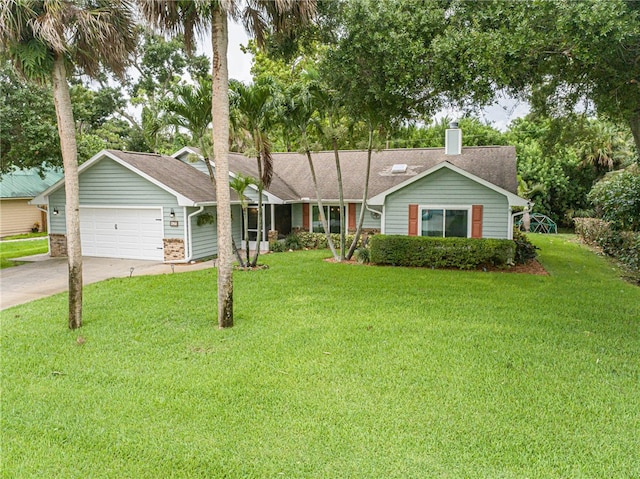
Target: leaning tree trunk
67, 132
220, 115
323, 217
340, 199
364, 196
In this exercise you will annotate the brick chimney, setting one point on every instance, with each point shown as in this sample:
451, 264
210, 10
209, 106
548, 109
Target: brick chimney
453, 139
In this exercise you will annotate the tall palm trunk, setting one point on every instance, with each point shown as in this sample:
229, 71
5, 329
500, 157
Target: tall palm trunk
220, 115
67, 132
364, 195
256, 253
340, 198
245, 217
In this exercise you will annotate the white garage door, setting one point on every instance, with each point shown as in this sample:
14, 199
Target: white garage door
134, 233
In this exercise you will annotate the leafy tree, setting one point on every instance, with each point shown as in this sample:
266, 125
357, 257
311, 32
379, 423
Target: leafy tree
28, 132
474, 133
161, 68
374, 90
188, 17
617, 198
557, 54
553, 154
43, 39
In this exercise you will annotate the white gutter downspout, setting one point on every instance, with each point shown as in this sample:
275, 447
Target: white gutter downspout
48, 226
512, 219
188, 248
379, 213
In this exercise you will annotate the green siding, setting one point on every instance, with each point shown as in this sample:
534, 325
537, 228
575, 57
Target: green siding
369, 222
448, 188
236, 224
204, 239
199, 164
107, 183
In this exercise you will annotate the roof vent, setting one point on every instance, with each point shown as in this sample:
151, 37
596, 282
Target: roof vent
399, 168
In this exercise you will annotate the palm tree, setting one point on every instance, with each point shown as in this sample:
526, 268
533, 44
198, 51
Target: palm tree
47, 41
239, 184
191, 17
254, 108
190, 108
297, 114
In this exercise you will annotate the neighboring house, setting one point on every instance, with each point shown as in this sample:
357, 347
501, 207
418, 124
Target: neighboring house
17, 189
135, 205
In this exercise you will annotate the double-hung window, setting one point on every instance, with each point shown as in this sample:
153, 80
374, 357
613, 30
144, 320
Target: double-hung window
447, 222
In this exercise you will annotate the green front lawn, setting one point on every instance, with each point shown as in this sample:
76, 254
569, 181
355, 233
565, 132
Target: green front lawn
331, 371
18, 249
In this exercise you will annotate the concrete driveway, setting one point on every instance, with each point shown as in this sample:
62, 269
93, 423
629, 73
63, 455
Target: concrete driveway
44, 276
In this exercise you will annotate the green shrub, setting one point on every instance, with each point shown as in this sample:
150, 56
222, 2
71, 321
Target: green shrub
591, 230
277, 246
622, 245
525, 250
293, 242
617, 199
363, 254
461, 253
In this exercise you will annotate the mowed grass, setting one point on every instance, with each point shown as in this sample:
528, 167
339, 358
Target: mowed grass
332, 371
18, 249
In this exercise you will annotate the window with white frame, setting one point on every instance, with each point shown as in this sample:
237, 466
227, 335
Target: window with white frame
447, 222
332, 213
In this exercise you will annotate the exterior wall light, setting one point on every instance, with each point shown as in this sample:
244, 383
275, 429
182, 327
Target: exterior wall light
172, 214
55, 211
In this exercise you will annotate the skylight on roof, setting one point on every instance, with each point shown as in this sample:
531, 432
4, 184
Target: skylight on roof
399, 168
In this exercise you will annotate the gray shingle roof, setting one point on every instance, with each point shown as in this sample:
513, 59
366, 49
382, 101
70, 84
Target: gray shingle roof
173, 173
292, 178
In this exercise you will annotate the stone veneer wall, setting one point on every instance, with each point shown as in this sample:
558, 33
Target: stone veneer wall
173, 249
57, 245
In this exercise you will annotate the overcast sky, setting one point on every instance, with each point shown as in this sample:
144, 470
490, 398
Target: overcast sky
499, 115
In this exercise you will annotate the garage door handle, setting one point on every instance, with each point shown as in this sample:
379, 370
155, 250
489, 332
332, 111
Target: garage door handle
116, 226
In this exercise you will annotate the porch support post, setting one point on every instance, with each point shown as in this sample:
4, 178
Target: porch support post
273, 216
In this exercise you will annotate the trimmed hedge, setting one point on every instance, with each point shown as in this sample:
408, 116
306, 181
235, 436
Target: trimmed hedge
461, 253
622, 245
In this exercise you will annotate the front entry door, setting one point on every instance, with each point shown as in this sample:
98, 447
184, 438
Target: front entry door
253, 228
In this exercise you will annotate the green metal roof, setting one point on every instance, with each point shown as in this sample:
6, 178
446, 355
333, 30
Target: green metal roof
27, 183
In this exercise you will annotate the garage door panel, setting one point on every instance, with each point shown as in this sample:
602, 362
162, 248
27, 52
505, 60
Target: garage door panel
122, 233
